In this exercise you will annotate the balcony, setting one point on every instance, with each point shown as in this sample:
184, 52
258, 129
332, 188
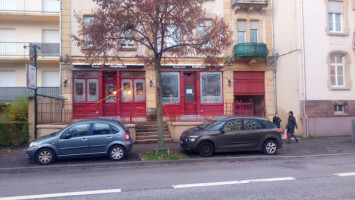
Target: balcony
30, 6
16, 49
8, 94
250, 50
250, 4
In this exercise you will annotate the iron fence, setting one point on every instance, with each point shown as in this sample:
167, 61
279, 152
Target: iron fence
16, 49
32, 6
8, 94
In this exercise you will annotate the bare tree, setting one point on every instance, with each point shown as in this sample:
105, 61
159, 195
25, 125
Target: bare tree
162, 28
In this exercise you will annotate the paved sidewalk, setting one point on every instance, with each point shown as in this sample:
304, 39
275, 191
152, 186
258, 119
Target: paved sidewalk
16, 158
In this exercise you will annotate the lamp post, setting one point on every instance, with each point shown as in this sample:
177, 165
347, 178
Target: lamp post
33, 61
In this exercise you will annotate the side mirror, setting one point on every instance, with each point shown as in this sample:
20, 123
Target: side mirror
223, 131
66, 136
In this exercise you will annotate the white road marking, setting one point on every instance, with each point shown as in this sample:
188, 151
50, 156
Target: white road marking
345, 174
65, 194
233, 182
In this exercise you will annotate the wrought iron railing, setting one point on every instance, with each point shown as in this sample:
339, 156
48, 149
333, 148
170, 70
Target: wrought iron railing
250, 50
250, 2
8, 94
16, 49
32, 6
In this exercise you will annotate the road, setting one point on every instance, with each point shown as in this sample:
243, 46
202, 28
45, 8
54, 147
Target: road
307, 178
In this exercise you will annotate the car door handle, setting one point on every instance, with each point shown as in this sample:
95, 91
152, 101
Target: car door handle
84, 139
109, 137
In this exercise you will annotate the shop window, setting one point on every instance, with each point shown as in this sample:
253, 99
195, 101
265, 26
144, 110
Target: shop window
171, 87
211, 87
86, 85
133, 86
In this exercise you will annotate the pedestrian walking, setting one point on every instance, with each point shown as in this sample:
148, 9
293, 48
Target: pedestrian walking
276, 120
291, 125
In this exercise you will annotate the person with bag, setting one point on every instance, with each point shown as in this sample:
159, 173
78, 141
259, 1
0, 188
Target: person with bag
291, 124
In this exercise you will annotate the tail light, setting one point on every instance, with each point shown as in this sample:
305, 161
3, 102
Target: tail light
127, 136
278, 130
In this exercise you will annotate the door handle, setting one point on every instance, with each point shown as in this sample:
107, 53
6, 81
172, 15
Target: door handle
109, 137
84, 139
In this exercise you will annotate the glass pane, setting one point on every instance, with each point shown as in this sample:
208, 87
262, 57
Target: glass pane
189, 93
79, 88
251, 124
126, 74
139, 74
211, 87
338, 21
340, 71
110, 93
340, 81
101, 129
233, 125
170, 87
332, 79
139, 90
92, 86
79, 74
332, 59
241, 36
92, 74
127, 90
253, 35
330, 19
79, 130
332, 71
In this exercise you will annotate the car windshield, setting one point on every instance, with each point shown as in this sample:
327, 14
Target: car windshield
206, 124
215, 126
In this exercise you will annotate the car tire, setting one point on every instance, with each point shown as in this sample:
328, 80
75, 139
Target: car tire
270, 147
206, 149
117, 152
45, 156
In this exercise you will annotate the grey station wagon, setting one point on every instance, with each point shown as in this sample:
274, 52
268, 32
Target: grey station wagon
228, 134
85, 138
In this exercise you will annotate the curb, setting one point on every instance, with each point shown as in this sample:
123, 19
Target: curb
157, 163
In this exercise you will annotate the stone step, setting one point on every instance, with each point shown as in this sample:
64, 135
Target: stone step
146, 137
152, 133
150, 126
150, 129
153, 141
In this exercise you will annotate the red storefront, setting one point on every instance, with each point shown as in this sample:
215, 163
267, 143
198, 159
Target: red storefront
120, 91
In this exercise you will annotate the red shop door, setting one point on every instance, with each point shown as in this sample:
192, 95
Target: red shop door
110, 89
190, 91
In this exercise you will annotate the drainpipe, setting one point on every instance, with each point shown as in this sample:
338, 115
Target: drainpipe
60, 47
274, 56
304, 75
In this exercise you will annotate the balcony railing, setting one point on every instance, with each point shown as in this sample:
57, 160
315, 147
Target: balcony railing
16, 49
262, 3
8, 94
244, 50
31, 6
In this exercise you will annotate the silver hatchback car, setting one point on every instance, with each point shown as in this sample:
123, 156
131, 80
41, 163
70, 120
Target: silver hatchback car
82, 139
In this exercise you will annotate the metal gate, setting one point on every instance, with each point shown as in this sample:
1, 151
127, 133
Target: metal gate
244, 108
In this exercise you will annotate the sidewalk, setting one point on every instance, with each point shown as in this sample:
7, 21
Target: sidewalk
16, 158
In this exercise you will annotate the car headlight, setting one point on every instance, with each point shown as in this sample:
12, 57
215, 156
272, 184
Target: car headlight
192, 138
33, 144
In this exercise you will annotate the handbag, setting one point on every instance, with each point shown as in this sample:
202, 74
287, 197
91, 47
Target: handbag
285, 135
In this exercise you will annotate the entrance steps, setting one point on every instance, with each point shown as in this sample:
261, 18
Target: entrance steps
147, 132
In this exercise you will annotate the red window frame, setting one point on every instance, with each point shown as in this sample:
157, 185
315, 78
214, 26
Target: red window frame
86, 78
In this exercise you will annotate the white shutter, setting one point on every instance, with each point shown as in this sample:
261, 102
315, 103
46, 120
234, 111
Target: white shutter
335, 6
7, 79
51, 5
241, 25
50, 79
51, 36
7, 48
7, 35
254, 25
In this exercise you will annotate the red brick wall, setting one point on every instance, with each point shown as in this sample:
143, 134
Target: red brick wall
321, 108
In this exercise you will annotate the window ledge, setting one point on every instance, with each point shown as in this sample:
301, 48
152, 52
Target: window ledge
341, 34
340, 114
128, 48
340, 88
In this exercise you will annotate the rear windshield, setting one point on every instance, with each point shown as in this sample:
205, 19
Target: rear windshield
268, 124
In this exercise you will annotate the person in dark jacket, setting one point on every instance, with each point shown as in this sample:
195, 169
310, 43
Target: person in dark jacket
291, 124
276, 120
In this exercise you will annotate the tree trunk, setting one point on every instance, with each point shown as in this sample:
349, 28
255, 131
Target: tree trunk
159, 104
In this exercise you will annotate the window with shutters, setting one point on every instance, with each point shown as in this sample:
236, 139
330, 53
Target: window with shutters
241, 31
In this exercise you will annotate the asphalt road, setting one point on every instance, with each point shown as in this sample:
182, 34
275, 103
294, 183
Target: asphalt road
307, 178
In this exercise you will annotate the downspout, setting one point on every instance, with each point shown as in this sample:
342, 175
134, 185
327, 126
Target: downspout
274, 56
304, 75
60, 48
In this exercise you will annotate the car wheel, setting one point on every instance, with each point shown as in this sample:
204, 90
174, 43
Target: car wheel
116, 153
270, 147
206, 149
45, 156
